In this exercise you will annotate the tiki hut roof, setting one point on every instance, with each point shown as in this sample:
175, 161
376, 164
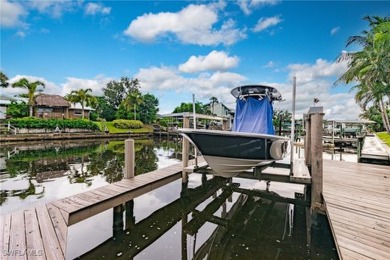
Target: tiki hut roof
51, 101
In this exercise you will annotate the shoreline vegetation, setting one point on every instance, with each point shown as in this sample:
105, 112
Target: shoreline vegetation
385, 137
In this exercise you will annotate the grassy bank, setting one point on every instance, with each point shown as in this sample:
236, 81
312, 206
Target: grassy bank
113, 130
385, 137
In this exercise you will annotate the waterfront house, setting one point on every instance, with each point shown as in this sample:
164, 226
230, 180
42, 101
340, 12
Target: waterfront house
220, 109
51, 106
55, 106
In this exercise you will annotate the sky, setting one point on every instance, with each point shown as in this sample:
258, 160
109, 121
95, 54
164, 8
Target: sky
177, 49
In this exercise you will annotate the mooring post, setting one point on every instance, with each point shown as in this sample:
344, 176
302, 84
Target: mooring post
185, 149
307, 141
316, 150
129, 159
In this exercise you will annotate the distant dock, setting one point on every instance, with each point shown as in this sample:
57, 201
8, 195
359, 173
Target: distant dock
374, 151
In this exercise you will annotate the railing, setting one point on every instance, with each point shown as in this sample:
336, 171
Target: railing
11, 128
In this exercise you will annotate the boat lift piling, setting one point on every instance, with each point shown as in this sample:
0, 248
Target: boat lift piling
293, 125
313, 155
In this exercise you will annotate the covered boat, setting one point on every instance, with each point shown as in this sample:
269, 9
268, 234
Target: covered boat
252, 141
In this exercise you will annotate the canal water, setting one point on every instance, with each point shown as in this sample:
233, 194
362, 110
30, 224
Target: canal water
206, 218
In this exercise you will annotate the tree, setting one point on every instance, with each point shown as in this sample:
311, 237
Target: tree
213, 100
148, 109
132, 100
83, 97
187, 107
17, 109
3, 80
115, 92
370, 66
280, 117
373, 113
31, 88
102, 110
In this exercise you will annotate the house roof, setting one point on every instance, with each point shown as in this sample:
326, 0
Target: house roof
51, 101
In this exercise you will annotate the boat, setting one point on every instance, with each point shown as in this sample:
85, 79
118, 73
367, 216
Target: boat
251, 142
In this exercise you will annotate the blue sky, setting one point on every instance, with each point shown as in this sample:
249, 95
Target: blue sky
180, 48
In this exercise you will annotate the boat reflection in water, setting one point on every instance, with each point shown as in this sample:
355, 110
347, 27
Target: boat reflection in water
217, 220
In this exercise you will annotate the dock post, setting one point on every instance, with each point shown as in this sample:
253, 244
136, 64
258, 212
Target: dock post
307, 139
316, 163
185, 149
129, 159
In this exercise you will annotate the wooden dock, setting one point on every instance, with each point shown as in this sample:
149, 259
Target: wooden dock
356, 196
41, 232
375, 151
357, 200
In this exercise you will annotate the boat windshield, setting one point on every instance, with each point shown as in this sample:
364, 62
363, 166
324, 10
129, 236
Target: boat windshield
254, 115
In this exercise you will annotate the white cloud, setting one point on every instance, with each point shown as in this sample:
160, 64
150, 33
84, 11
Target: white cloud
264, 23
316, 81
96, 8
215, 60
270, 64
55, 8
50, 87
11, 14
21, 34
306, 72
334, 30
204, 85
247, 6
192, 25
96, 84
336, 106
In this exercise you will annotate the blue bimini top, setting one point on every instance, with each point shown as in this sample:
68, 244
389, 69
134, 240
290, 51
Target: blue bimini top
254, 115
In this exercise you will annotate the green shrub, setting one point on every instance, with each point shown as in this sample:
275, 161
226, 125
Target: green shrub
127, 124
33, 122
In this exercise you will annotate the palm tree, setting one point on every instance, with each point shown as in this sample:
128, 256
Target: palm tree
31, 87
3, 80
83, 97
213, 100
370, 66
133, 100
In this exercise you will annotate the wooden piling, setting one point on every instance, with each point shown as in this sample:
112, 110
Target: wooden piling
185, 150
129, 159
307, 139
315, 149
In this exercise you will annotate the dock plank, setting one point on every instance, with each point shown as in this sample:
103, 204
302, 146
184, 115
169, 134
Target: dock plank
357, 198
5, 225
59, 224
17, 236
50, 242
34, 246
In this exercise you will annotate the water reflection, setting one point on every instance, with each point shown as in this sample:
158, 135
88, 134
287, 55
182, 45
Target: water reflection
40, 172
213, 218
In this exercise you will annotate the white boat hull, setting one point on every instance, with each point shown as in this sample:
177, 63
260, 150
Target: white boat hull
230, 167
